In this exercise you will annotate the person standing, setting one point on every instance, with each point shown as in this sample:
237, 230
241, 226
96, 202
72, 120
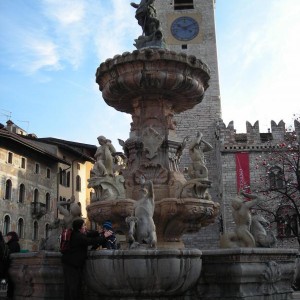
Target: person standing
4, 253
74, 259
14, 247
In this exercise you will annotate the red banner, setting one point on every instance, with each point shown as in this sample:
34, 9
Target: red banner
242, 172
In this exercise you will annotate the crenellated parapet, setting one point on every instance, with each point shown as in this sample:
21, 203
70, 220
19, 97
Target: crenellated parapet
253, 139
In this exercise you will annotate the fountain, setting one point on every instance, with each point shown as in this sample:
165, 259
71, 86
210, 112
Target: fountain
150, 200
150, 197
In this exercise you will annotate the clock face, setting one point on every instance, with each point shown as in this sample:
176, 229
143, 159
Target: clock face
185, 28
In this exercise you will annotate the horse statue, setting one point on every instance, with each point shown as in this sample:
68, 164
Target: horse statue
263, 237
141, 226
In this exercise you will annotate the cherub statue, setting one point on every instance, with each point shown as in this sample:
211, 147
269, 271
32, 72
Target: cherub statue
197, 149
104, 158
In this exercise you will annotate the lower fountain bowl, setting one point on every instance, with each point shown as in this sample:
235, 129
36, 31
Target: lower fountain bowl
141, 272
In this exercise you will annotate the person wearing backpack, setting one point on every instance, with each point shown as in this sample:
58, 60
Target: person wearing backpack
73, 259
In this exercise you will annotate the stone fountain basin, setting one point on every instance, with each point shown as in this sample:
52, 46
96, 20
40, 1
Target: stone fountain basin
143, 272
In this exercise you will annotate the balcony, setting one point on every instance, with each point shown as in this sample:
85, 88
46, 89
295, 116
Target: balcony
38, 209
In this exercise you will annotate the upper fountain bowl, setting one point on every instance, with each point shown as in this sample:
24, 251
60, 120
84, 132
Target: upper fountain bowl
157, 73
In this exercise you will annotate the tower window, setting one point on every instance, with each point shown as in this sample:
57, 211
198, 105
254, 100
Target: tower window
78, 183
48, 173
6, 225
184, 47
183, 4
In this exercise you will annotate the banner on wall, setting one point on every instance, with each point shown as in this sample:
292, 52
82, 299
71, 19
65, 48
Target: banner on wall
242, 171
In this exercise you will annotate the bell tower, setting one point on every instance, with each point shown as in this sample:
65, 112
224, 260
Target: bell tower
189, 26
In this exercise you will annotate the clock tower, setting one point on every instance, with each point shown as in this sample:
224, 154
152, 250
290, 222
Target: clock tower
189, 26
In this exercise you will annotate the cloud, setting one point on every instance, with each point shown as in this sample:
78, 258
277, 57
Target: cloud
116, 34
261, 71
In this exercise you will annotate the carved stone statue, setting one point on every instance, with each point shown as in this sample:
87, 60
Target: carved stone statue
52, 242
242, 217
197, 149
146, 16
104, 158
69, 216
141, 226
259, 229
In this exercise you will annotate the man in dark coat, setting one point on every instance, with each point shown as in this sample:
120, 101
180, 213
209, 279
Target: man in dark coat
14, 247
73, 260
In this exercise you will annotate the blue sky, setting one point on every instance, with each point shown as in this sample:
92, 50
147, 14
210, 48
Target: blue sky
50, 49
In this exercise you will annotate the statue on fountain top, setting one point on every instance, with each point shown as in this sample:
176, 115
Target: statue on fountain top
146, 16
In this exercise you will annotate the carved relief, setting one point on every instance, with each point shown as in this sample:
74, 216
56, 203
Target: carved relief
152, 140
270, 277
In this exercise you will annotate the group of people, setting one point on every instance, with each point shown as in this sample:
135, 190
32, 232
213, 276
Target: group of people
11, 245
73, 260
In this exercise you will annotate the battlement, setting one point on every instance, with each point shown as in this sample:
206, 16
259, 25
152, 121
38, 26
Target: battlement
253, 139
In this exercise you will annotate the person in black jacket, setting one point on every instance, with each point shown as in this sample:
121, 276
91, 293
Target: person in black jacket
3, 258
14, 247
13, 242
73, 260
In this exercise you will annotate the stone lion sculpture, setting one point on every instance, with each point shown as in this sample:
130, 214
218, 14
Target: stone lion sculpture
141, 225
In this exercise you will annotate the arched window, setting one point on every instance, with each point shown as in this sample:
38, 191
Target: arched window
47, 231
78, 183
276, 178
22, 193
6, 225
36, 196
8, 189
47, 202
21, 228
35, 230
287, 221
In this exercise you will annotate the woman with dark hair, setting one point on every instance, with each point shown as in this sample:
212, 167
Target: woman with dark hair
13, 242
